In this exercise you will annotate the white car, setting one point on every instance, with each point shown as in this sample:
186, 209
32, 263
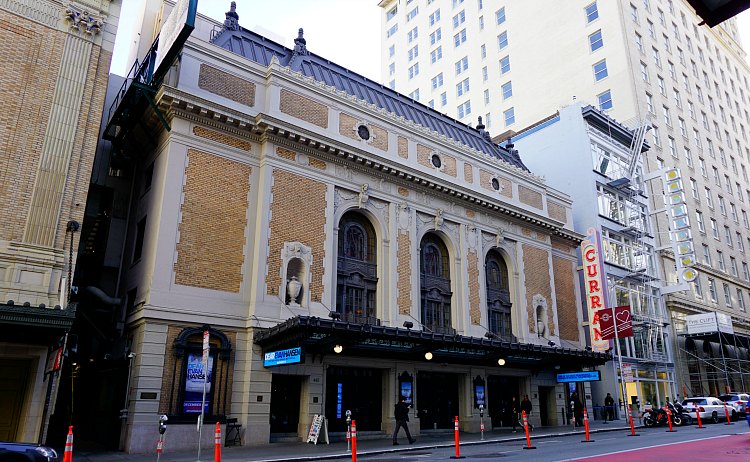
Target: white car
737, 402
711, 409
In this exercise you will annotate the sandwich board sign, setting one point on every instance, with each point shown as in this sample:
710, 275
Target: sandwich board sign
318, 430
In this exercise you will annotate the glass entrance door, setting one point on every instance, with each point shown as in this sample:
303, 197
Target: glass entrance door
500, 393
437, 400
285, 400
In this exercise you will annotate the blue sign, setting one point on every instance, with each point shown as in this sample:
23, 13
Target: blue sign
584, 376
277, 358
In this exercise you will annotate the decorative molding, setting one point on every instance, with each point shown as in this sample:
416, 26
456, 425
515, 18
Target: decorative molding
363, 196
80, 19
35, 10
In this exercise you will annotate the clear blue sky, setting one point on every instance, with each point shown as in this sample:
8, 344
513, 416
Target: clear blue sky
346, 32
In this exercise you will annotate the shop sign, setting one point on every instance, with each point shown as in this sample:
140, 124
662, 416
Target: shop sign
709, 322
627, 373
278, 358
595, 287
583, 376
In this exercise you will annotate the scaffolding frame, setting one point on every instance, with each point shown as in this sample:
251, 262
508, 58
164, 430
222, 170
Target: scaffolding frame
709, 374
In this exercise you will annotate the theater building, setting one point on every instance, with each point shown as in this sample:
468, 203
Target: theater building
342, 244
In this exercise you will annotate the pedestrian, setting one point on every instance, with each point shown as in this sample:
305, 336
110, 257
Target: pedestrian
577, 408
526, 407
401, 412
609, 407
514, 413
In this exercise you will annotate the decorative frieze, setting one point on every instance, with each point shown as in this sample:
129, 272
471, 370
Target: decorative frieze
83, 21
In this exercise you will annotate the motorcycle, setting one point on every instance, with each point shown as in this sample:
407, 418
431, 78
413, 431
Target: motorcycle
658, 416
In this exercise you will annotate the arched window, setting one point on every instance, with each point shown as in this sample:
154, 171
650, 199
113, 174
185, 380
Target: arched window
498, 296
435, 285
357, 280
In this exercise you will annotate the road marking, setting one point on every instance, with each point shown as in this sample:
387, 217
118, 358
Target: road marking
644, 447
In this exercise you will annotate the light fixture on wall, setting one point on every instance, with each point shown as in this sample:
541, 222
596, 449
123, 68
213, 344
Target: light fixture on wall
408, 324
334, 315
338, 349
428, 356
501, 362
551, 343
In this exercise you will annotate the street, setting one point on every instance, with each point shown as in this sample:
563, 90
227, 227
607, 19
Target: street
716, 442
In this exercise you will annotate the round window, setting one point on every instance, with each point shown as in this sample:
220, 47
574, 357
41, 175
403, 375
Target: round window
436, 161
363, 132
495, 184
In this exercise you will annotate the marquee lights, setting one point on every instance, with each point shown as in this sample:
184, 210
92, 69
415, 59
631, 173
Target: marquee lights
682, 239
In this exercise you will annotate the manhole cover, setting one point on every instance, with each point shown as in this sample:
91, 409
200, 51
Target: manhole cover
492, 455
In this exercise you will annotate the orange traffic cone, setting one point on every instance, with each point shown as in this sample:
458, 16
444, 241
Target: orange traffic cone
217, 443
68, 456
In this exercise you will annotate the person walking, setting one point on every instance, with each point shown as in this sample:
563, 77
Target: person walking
401, 412
526, 406
609, 407
514, 413
577, 409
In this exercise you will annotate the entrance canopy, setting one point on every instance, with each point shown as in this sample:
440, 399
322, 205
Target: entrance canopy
319, 336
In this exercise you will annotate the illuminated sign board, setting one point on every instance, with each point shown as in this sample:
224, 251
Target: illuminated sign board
281, 357
584, 376
595, 287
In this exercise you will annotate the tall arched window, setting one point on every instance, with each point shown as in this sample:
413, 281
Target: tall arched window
435, 285
357, 270
498, 296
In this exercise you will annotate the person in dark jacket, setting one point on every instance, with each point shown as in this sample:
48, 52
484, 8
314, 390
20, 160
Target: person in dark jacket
514, 413
526, 406
577, 408
401, 411
609, 407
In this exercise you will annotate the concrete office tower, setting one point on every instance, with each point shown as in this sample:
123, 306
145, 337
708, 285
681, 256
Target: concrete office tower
642, 61
614, 202
54, 66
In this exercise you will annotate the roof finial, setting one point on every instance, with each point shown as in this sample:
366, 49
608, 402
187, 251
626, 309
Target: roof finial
480, 125
232, 21
300, 44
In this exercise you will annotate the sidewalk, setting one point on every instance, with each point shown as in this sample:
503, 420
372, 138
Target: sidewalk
299, 452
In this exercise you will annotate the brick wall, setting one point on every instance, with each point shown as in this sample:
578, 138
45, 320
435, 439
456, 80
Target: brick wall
316, 163
403, 147
557, 211
485, 180
286, 154
449, 165
348, 126
222, 138
404, 273
304, 108
298, 214
529, 197
536, 273
475, 309
227, 85
423, 156
468, 173
212, 229
567, 311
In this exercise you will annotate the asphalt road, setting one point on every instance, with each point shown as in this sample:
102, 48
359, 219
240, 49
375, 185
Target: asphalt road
715, 443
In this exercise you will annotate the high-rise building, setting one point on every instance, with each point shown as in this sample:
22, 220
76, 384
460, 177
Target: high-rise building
642, 62
54, 67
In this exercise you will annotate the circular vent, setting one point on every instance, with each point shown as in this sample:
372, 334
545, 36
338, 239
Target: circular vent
495, 184
363, 132
436, 161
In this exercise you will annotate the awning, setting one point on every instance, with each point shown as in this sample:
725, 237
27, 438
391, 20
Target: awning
318, 336
33, 324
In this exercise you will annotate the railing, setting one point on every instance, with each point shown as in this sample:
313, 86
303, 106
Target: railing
360, 319
140, 72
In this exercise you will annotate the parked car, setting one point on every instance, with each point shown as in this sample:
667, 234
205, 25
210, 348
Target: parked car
710, 408
26, 452
737, 401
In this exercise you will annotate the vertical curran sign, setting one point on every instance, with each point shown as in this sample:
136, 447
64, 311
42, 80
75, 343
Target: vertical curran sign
595, 287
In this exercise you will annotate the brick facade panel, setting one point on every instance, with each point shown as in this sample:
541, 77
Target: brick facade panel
449, 165
227, 85
404, 273
298, 214
210, 252
304, 108
468, 173
475, 310
403, 147
567, 308
557, 212
536, 273
423, 156
222, 138
530, 197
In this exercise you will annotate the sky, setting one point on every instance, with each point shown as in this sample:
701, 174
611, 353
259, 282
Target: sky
346, 32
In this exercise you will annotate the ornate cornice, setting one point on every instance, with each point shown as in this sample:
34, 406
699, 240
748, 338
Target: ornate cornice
42, 12
82, 20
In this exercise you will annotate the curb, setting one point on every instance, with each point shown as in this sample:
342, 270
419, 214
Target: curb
375, 452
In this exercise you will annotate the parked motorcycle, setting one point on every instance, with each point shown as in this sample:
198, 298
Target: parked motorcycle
678, 409
658, 416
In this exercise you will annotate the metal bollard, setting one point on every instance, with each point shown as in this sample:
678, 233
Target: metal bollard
586, 426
